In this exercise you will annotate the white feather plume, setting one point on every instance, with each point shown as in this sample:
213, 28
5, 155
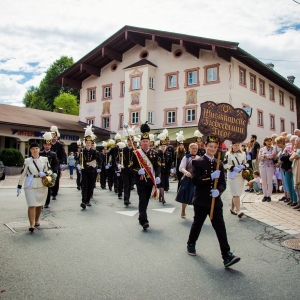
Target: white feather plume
53, 128
118, 136
166, 132
79, 142
162, 136
121, 145
151, 137
197, 133
88, 130
180, 137
130, 131
104, 144
47, 136
136, 139
112, 142
156, 143
94, 136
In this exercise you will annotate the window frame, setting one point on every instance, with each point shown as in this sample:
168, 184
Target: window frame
104, 87
136, 117
167, 88
122, 89
292, 127
136, 74
244, 72
282, 122
254, 81
281, 98
150, 119
271, 87
151, 83
171, 116
272, 117
88, 100
187, 115
88, 119
108, 122
135, 80
260, 81
260, 121
206, 68
166, 110
186, 76
292, 106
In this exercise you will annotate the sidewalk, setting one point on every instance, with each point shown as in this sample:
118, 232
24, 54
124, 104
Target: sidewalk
275, 213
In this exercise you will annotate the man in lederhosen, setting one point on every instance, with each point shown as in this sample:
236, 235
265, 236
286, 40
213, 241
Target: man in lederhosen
104, 162
77, 155
203, 175
88, 161
58, 148
46, 152
127, 171
147, 168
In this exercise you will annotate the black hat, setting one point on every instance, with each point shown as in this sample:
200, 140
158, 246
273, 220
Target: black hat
198, 139
145, 131
33, 145
211, 139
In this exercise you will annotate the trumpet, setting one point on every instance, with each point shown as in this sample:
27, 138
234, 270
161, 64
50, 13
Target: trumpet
122, 159
81, 154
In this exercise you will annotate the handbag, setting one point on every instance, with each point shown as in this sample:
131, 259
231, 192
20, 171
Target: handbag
48, 180
246, 173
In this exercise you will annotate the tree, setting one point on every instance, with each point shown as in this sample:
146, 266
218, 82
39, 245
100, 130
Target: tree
42, 97
68, 103
50, 91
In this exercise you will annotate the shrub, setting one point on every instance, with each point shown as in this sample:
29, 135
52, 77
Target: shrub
12, 157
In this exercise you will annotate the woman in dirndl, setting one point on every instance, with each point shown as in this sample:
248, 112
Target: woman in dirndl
234, 162
186, 190
35, 168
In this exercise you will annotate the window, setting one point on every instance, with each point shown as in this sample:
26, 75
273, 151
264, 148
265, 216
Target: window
122, 89
252, 82
292, 127
281, 98
136, 83
105, 122
211, 74
242, 76
91, 94
190, 115
282, 125
90, 121
151, 83
261, 87
291, 104
135, 117
106, 92
271, 93
192, 78
171, 82
272, 122
121, 121
150, 117
170, 117
260, 118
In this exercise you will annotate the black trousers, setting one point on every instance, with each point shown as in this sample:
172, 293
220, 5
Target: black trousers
110, 178
78, 179
116, 182
87, 186
144, 192
127, 184
55, 188
217, 222
48, 196
103, 177
119, 184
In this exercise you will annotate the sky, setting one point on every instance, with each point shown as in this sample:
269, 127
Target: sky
33, 34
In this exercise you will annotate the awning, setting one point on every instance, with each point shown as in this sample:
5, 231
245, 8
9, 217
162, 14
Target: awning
188, 132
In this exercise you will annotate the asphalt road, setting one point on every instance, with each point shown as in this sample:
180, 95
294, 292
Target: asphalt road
101, 254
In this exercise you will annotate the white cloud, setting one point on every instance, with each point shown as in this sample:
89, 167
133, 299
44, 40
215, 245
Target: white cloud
41, 32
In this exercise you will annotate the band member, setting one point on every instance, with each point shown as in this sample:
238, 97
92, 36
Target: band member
87, 167
203, 175
146, 164
110, 170
98, 163
58, 148
118, 169
127, 171
46, 152
171, 151
179, 155
104, 162
165, 166
77, 156
199, 142
151, 141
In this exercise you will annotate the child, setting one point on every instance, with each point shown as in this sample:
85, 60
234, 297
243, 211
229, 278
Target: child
254, 184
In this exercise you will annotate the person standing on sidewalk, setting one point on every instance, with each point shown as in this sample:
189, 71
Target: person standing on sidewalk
254, 152
266, 157
71, 161
296, 170
203, 175
235, 161
53, 162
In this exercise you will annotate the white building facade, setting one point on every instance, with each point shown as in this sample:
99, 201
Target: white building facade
143, 75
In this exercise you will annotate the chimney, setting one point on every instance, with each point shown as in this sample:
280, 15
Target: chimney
59, 110
291, 79
270, 65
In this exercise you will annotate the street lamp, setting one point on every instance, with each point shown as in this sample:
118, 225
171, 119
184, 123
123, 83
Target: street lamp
156, 134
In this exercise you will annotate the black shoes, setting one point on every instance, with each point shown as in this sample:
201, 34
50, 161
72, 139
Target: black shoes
54, 198
31, 229
282, 199
126, 203
89, 204
233, 212
120, 197
78, 188
269, 199
265, 199
163, 201
191, 249
83, 205
46, 206
240, 215
145, 226
230, 260
287, 200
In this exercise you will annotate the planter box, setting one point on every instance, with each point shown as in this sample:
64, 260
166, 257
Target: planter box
13, 170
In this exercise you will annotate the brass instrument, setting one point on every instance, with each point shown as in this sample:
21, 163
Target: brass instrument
81, 154
122, 159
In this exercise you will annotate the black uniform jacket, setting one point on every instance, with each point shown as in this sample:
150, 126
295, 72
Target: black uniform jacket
201, 179
104, 160
52, 158
127, 160
165, 161
58, 148
171, 151
88, 156
152, 156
